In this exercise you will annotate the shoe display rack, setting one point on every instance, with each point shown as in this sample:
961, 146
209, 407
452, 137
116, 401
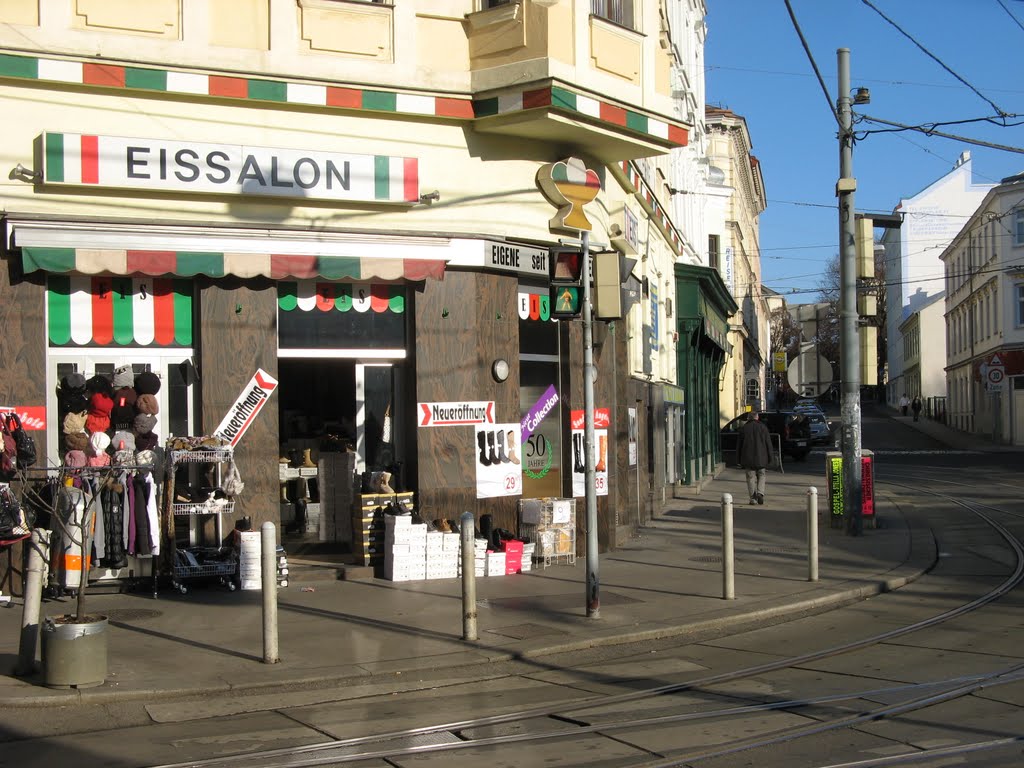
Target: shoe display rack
550, 524
200, 563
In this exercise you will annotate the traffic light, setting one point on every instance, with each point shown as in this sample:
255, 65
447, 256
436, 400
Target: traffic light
566, 269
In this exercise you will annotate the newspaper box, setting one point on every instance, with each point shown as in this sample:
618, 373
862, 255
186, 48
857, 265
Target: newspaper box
834, 483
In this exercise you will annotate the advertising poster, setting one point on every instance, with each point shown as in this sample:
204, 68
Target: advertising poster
632, 437
499, 470
602, 420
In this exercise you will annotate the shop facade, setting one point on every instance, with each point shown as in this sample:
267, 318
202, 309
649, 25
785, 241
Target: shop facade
372, 265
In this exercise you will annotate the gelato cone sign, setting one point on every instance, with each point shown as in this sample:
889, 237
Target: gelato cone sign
569, 185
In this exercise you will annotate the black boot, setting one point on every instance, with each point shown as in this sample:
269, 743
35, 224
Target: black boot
499, 438
577, 454
490, 449
483, 449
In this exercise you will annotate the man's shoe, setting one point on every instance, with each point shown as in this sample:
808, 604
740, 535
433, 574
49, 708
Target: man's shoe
760, 498
753, 500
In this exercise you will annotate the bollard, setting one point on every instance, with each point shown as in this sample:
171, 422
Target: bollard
728, 562
268, 538
812, 533
468, 526
38, 556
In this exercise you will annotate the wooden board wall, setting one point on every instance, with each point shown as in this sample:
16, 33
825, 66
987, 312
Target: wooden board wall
238, 335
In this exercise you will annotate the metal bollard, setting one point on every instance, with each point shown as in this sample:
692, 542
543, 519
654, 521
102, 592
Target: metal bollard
728, 560
467, 525
812, 533
38, 556
268, 538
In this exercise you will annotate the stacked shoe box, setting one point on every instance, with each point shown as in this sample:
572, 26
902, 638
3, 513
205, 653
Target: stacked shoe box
527, 563
368, 511
442, 555
495, 563
282, 567
513, 556
250, 552
405, 548
479, 558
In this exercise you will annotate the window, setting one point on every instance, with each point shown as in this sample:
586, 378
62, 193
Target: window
1019, 316
753, 390
616, 11
714, 250
493, 3
1018, 226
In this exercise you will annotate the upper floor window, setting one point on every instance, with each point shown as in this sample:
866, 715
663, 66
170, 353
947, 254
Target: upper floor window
714, 246
1018, 226
1019, 305
616, 11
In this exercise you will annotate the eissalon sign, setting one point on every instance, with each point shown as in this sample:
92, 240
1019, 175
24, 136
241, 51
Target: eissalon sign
195, 167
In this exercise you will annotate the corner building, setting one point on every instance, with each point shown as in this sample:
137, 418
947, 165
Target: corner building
339, 193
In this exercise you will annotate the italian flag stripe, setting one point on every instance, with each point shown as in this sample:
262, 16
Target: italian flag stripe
381, 177
182, 312
410, 171
122, 310
163, 311
58, 305
102, 311
142, 311
90, 160
54, 151
81, 309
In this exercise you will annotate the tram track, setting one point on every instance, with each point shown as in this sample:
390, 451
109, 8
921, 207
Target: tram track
457, 735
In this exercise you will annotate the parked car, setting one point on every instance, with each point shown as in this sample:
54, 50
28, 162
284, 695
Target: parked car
821, 429
794, 434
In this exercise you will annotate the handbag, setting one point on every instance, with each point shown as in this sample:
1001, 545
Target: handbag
8, 453
24, 445
12, 516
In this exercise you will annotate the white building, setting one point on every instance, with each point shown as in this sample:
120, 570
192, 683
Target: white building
913, 272
984, 268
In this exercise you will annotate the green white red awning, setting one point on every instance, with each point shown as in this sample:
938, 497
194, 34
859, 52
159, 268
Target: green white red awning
309, 295
277, 266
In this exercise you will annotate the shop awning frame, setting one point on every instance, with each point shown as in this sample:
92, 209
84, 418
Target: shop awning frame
186, 251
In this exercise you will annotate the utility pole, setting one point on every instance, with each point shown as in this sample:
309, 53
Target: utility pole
590, 473
849, 339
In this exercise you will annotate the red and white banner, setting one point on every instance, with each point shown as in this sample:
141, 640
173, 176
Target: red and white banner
32, 416
249, 403
602, 419
455, 414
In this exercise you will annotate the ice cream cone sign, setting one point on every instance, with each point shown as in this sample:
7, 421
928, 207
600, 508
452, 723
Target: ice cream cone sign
569, 185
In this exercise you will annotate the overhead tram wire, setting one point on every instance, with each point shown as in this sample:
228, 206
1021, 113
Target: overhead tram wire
935, 58
1008, 13
810, 58
932, 132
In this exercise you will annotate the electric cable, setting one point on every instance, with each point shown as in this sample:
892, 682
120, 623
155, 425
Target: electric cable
1008, 13
814, 64
931, 132
937, 60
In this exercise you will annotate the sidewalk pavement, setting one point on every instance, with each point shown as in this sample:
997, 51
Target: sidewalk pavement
953, 438
665, 582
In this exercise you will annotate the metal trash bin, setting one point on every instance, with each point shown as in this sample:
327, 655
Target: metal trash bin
74, 653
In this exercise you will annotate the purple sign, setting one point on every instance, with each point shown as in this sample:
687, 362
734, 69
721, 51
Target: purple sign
537, 413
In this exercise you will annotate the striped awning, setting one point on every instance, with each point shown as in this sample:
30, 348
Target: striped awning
310, 295
277, 266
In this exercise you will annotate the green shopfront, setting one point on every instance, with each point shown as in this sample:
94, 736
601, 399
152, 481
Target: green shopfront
704, 306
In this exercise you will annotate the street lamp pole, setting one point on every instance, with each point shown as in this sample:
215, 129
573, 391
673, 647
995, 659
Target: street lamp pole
849, 339
590, 476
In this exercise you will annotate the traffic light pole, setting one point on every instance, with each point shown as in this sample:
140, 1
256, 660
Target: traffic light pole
590, 477
849, 340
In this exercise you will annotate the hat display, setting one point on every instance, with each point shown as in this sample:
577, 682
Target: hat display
75, 422
124, 376
124, 406
147, 383
144, 423
147, 404
123, 440
147, 441
75, 459
99, 383
99, 442
102, 460
125, 457
76, 441
145, 458
72, 383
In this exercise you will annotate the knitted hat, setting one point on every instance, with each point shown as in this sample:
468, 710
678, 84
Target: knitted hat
147, 404
101, 403
124, 407
74, 422
97, 422
123, 440
147, 441
144, 423
73, 402
98, 443
147, 383
103, 460
124, 377
99, 383
75, 459
76, 441
72, 383
122, 458
145, 458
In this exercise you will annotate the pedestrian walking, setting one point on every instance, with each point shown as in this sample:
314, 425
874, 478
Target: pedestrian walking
916, 407
754, 453
904, 404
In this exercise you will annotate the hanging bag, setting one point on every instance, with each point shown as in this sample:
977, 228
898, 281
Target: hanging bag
24, 445
8, 453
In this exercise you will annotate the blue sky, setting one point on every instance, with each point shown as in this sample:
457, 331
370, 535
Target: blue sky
757, 67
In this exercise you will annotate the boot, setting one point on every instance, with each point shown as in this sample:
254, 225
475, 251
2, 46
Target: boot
284, 494
578, 466
499, 438
384, 483
307, 460
492, 457
483, 449
512, 447
603, 461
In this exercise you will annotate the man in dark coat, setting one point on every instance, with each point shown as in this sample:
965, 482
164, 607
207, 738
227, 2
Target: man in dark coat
754, 454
